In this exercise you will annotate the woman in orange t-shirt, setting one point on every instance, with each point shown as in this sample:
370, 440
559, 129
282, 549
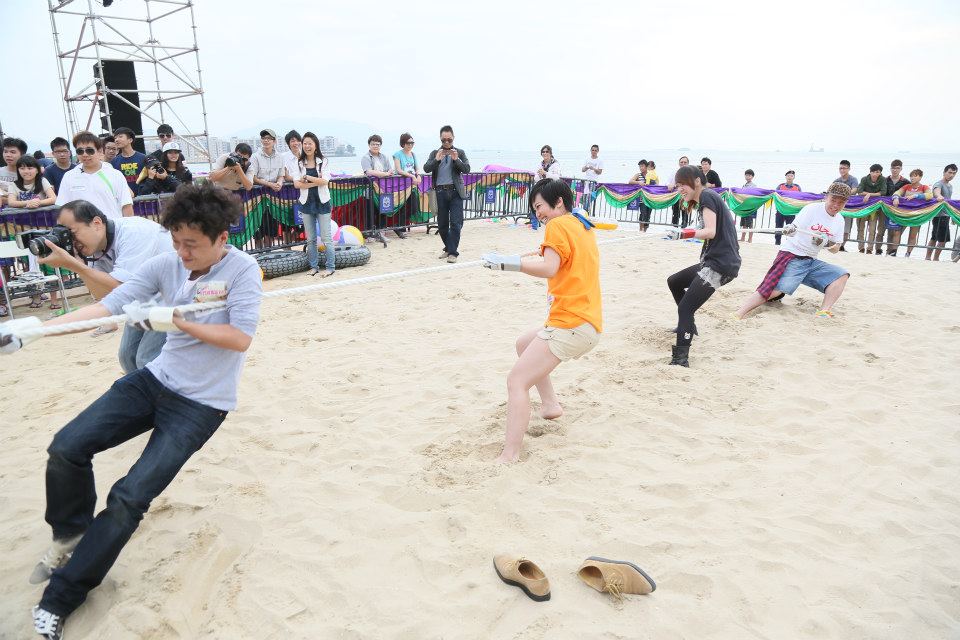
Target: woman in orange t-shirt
571, 264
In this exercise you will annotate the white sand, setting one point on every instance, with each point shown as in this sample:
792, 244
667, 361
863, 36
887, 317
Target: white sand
798, 481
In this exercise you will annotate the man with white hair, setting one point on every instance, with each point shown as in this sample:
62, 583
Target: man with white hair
818, 225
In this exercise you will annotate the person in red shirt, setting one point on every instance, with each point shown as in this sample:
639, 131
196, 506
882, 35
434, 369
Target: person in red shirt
786, 185
912, 191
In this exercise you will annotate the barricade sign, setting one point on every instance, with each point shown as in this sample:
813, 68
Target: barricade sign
386, 203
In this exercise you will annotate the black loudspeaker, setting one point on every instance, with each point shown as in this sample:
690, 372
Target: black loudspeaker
119, 76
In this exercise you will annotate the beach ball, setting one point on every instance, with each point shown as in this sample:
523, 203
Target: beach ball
348, 236
334, 228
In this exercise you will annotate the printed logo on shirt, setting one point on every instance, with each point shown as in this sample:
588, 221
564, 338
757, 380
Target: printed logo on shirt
212, 291
130, 170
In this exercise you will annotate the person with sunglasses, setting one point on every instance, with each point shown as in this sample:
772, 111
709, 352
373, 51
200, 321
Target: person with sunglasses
447, 166
405, 164
94, 180
165, 135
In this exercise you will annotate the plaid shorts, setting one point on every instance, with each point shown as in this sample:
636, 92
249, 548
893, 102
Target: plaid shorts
776, 270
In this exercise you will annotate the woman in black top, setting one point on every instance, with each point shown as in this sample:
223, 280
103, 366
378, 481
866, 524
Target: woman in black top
719, 259
169, 175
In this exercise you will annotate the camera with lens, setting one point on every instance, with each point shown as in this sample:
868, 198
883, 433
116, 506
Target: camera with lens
155, 165
33, 240
234, 159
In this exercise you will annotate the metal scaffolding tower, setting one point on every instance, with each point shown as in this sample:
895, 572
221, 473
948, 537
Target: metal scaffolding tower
158, 36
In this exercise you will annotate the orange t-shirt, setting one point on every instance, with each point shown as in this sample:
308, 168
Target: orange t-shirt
574, 292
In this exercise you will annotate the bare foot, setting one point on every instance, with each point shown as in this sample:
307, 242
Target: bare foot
551, 411
508, 458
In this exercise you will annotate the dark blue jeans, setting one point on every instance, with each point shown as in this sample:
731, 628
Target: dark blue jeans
450, 219
781, 220
134, 404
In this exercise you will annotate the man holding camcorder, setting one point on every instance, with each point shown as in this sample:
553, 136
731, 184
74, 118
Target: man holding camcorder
105, 253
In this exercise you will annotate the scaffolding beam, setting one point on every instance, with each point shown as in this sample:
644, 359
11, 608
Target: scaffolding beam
152, 41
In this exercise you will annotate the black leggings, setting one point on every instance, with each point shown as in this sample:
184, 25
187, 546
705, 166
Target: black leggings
690, 292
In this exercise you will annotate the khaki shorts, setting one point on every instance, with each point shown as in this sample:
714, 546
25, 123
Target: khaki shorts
569, 344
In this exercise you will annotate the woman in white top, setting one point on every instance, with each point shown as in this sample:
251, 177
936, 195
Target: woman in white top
30, 189
315, 203
549, 169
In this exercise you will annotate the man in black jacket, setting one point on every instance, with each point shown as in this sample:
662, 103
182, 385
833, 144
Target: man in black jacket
448, 164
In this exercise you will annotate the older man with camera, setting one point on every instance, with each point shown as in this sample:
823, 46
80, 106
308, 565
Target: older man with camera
105, 253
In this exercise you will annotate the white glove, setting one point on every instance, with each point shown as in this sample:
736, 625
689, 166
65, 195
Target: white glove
10, 343
790, 230
500, 263
820, 239
150, 317
675, 233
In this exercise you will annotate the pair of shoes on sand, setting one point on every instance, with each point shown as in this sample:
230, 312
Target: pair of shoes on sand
616, 577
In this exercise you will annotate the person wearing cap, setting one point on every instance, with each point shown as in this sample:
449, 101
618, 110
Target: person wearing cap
268, 169
267, 165
168, 175
818, 225
164, 135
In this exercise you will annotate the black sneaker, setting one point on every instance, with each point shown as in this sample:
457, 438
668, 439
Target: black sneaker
48, 625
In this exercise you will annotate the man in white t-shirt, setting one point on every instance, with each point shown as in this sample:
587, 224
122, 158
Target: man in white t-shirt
592, 168
95, 181
818, 225
108, 253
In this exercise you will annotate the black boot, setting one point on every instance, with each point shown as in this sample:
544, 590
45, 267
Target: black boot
695, 332
680, 356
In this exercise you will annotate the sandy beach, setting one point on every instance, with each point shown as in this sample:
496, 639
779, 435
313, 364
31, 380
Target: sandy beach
795, 482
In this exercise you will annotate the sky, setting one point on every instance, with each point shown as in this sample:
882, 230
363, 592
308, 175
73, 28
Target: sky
511, 75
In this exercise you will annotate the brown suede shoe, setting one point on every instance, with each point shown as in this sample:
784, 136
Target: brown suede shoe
616, 577
520, 572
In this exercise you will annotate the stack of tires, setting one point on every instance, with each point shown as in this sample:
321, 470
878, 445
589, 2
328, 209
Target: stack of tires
284, 263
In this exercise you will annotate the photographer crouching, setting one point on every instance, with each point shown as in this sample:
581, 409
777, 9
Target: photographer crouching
105, 253
232, 170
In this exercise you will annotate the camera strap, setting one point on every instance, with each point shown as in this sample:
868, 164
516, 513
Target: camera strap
111, 234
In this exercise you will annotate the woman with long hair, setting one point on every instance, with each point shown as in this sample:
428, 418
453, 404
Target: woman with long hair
169, 175
30, 191
719, 259
315, 204
549, 168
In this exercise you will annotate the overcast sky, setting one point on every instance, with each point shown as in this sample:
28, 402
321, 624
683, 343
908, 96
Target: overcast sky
723, 75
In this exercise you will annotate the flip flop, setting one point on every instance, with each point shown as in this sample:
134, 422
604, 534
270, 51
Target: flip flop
327, 274
55, 306
36, 304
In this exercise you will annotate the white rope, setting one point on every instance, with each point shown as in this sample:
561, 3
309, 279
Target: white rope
774, 230
85, 325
